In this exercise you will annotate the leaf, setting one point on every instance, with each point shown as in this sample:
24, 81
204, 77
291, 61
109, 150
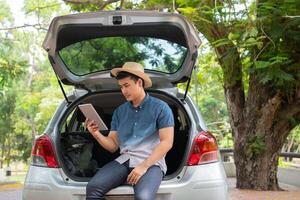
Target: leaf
221, 42
278, 60
259, 45
261, 64
253, 32
233, 36
285, 76
251, 40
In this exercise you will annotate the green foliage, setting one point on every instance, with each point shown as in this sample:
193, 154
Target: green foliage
292, 143
266, 34
255, 145
7, 105
279, 63
44, 9
5, 14
109, 52
85, 6
226, 141
29, 90
284, 164
11, 63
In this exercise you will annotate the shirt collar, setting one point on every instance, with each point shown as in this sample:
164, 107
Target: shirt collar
146, 98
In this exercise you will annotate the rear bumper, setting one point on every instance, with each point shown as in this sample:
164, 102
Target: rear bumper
206, 182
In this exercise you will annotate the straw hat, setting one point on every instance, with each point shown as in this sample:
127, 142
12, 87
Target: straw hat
133, 68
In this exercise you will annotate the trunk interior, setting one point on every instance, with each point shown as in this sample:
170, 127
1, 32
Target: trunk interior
82, 156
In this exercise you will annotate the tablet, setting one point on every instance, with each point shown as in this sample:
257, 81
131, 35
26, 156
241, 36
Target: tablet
89, 112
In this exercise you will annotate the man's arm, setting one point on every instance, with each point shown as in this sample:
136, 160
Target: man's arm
109, 142
166, 136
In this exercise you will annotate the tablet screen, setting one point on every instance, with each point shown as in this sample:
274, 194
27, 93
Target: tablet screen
89, 112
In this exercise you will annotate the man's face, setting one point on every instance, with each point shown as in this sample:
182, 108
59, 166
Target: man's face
130, 89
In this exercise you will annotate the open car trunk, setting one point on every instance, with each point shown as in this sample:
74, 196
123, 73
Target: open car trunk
81, 155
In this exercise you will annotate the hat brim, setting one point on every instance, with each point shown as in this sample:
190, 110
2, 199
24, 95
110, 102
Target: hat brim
144, 76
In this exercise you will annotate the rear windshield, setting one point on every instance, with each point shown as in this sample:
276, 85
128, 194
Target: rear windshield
106, 53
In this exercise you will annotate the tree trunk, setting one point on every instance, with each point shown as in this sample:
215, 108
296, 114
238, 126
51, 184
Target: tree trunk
256, 163
33, 129
8, 155
258, 173
2, 156
3, 150
258, 137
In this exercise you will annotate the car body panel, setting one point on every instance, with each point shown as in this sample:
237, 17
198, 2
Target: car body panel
202, 182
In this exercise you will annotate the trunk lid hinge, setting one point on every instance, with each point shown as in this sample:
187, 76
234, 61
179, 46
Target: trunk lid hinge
194, 58
62, 89
186, 89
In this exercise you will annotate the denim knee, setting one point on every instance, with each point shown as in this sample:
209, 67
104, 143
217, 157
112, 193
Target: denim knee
94, 191
143, 195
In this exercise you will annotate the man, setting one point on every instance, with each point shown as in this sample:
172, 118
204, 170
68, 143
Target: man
143, 129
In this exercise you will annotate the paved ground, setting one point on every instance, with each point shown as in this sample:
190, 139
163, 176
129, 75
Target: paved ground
13, 191
15, 194
290, 193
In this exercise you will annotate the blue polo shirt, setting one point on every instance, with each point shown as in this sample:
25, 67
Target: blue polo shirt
137, 129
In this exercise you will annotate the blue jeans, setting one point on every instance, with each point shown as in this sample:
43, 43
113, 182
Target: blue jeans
114, 174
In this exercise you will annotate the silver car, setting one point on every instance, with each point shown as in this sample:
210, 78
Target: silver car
82, 48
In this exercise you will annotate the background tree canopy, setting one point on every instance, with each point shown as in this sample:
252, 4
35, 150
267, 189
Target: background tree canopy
246, 82
106, 53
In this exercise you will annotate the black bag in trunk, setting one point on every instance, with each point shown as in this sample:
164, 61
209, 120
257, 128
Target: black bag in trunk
77, 153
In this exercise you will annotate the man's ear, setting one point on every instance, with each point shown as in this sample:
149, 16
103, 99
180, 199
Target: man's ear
140, 81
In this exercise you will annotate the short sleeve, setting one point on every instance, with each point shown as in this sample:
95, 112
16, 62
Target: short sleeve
114, 122
165, 117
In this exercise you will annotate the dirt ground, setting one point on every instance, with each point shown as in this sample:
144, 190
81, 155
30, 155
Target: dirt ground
290, 193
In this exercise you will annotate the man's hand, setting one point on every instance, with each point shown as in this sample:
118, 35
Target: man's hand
92, 127
137, 173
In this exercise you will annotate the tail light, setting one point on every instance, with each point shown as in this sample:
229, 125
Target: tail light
204, 149
42, 153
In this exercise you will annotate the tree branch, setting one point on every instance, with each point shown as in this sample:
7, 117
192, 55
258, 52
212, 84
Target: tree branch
43, 7
291, 109
122, 3
268, 111
100, 3
104, 4
288, 117
96, 2
37, 26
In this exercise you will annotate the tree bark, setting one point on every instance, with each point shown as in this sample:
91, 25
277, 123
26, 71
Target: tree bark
8, 155
2, 153
258, 173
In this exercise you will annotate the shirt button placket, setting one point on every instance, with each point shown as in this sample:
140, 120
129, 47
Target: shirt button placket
135, 123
